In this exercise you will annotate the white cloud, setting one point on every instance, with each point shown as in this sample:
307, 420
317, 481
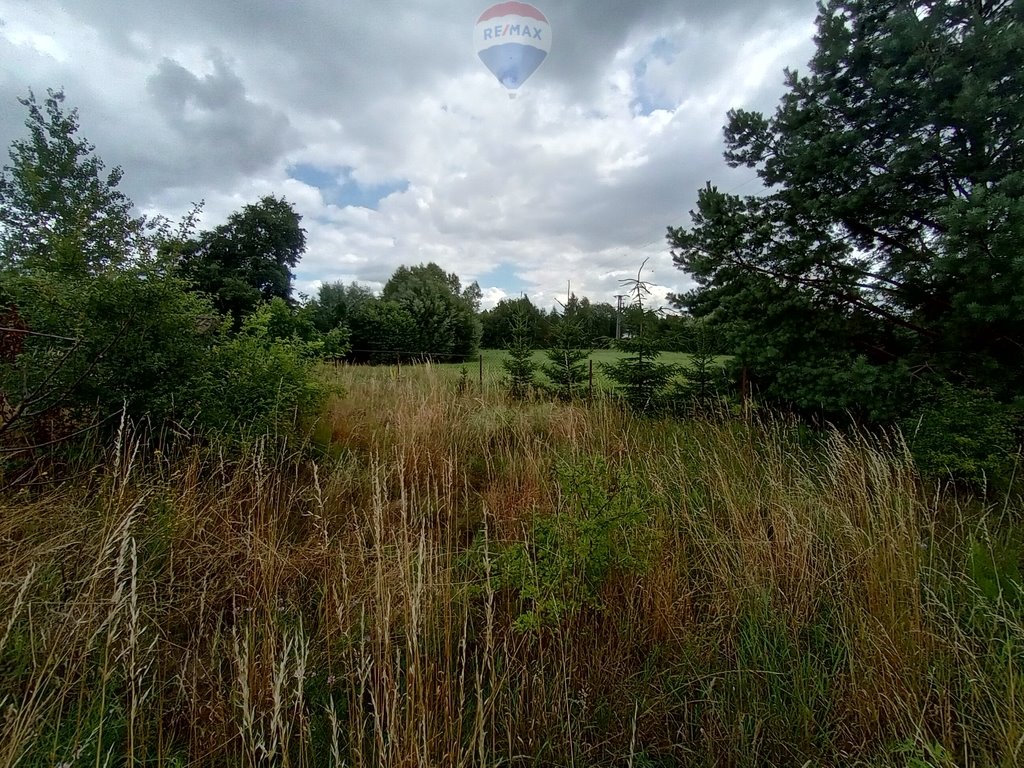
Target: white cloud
576, 179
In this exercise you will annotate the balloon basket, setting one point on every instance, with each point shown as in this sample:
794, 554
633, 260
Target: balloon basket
511, 96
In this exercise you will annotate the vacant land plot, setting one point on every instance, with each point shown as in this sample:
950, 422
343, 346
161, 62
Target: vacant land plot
446, 579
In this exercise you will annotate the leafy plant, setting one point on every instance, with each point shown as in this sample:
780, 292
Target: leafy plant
257, 385
247, 260
600, 529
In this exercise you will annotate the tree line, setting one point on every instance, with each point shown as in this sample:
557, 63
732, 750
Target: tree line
104, 312
878, 278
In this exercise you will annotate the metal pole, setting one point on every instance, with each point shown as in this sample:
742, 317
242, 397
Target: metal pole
481, 373
591, 379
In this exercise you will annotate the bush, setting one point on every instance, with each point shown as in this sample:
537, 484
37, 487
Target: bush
601, 528
141, 341
964, 435
120, 339
256, 385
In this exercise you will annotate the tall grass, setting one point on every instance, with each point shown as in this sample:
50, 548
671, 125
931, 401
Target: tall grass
448, 579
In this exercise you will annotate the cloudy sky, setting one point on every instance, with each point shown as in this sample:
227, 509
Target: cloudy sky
378, 121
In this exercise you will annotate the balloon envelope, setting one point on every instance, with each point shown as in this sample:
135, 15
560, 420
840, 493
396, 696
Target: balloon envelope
512, 39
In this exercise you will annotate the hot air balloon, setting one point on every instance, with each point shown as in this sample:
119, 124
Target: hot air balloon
512, 39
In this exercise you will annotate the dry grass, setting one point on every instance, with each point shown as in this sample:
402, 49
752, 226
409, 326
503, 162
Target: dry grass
749, 597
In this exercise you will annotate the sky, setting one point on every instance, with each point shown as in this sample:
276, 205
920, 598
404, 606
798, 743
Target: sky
377, 120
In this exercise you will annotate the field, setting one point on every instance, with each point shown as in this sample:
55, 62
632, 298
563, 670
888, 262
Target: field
449, 579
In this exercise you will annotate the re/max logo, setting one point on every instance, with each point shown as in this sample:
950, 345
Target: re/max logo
512, 30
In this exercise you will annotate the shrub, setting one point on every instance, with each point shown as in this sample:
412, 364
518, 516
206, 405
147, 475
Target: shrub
257, 385
601, 528
964, 435
120, 339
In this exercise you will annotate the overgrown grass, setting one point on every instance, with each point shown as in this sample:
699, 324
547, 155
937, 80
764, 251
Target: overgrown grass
449, 579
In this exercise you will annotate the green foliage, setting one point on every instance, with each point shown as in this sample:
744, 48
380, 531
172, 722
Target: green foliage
127, 338
703, 376
280, 321
889, 239
58, 212
498, 323
444, 324
519, 365
566, 369
927, 755
778, 679
108, 322
464, 384
994, 566
600, 529
256, 385
383, 332
336, 303
640, 378
962, 434
249, 259
596, 322
110, 325
472, 295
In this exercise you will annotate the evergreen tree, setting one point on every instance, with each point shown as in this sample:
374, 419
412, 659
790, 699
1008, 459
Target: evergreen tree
566, 368
640, 378
445, 324
888, 243
519, 364
703, 374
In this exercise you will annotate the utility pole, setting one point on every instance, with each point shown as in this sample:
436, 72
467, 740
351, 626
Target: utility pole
618, 316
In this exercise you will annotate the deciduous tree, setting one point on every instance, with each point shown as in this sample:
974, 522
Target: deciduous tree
249, 259
59, 211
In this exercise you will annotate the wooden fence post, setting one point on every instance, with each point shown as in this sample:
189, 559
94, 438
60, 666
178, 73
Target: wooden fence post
481, 373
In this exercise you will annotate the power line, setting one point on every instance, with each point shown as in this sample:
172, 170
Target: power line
37, 333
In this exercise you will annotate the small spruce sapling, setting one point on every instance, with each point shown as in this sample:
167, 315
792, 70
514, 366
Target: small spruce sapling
519, 365
702, 377
566, 367
640, 378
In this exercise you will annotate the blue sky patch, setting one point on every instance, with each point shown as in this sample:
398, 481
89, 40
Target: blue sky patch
504, 276
339, 188
646, 99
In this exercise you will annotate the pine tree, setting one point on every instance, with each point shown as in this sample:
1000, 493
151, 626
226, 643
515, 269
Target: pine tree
519, 363
887, 241
641, 379
702, 377
566, 368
